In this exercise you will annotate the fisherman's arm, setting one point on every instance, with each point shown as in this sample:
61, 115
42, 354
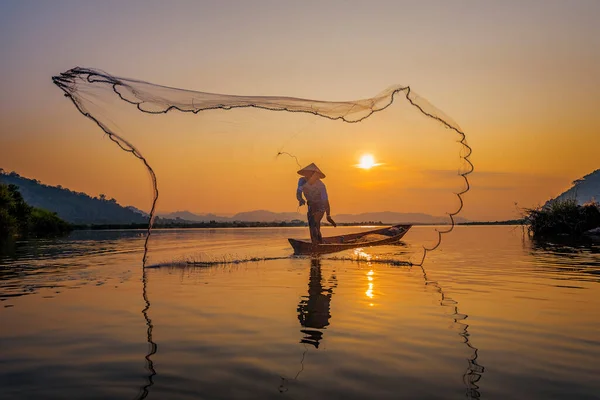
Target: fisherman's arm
328, 212
301, 183
325, 199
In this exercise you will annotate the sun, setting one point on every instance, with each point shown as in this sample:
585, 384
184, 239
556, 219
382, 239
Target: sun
367, 161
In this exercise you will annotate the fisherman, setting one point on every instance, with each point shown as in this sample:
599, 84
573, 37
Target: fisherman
316, 196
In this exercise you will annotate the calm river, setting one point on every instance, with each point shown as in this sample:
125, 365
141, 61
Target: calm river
490, 315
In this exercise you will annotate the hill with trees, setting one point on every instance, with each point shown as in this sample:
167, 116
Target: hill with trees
572, 213
73, 207
584, 190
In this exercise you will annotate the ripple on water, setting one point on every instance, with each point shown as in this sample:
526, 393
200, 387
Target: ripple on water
352, 328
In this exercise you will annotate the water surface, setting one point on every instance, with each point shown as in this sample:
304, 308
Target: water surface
490, 315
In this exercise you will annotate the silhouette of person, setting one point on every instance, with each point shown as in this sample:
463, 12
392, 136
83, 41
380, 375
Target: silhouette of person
313, 310
315, 192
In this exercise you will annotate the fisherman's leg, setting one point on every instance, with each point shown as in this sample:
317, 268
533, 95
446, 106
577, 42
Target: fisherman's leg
318, 216
311, 225
314, 224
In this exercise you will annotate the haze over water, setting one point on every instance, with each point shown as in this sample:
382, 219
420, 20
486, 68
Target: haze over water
295, 327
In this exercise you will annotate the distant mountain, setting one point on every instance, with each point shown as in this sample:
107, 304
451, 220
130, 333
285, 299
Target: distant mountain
73, 207
188, 216
583, 190
269, 216
248, 216
138, 211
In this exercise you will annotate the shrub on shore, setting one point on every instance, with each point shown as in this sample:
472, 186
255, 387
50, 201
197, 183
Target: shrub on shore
45, 223
19, 218
563, 218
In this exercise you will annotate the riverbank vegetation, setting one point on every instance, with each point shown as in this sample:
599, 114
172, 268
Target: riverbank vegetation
565, 217
71, 206
17, 218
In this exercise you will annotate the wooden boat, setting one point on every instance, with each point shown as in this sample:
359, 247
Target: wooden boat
376, 237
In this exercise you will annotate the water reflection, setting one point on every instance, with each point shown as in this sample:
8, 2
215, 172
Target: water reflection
473, 373
313, 310
78, 243
567, 246
369, 292
313, 313
152, 346
27, 266
84, 343
566, 258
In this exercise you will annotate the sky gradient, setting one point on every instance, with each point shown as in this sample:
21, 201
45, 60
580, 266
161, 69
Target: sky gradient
520, 78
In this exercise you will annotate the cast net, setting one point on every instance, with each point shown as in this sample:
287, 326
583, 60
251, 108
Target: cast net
414, 169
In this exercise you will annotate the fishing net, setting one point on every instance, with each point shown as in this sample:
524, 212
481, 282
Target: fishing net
206, 160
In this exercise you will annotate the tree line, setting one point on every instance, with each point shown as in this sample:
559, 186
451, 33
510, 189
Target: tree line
17, 218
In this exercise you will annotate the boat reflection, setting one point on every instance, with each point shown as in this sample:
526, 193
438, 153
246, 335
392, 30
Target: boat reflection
313, 310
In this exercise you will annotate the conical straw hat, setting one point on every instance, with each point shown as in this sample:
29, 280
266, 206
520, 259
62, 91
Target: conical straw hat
308, 171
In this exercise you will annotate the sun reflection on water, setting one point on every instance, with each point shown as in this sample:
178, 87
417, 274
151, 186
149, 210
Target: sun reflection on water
369, 291
361, 254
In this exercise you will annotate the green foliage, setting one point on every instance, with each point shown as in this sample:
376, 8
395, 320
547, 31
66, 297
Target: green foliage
19, 218
563, 218
19, 209
9, 224
45, 223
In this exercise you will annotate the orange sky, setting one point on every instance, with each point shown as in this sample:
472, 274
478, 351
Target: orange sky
520, 78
